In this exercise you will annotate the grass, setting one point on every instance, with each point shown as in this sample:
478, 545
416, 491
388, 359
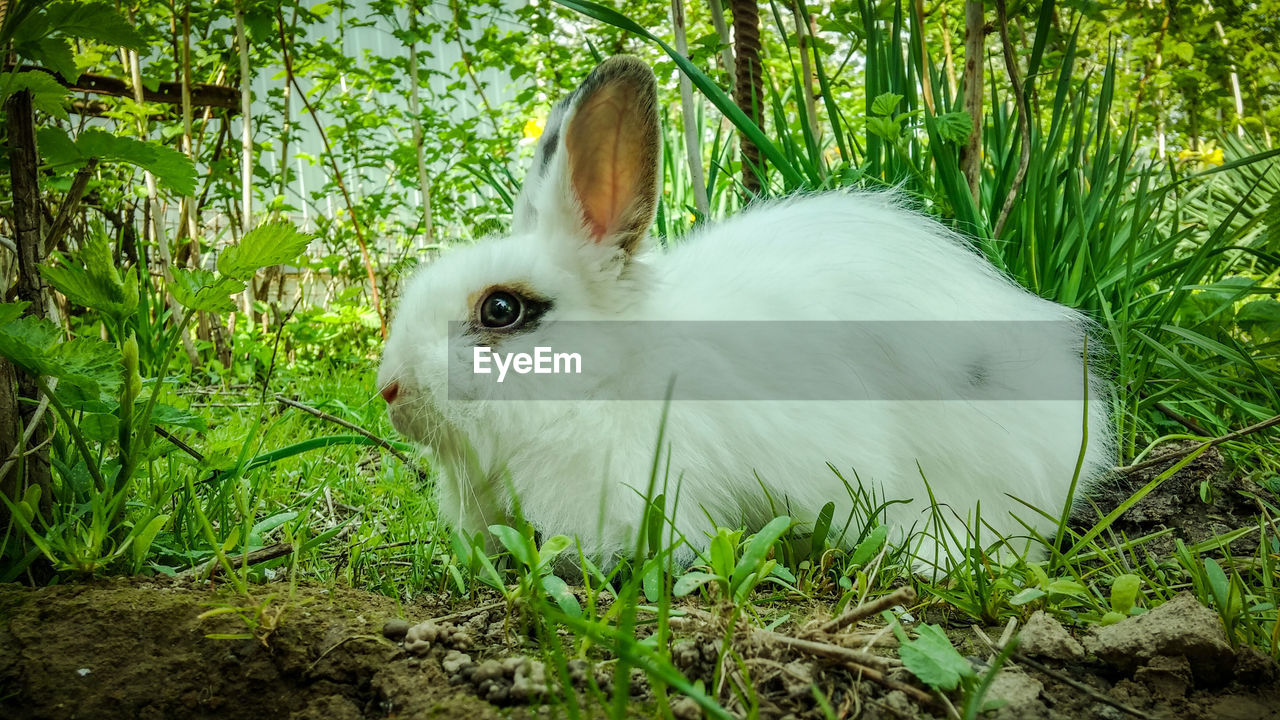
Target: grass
1178, 265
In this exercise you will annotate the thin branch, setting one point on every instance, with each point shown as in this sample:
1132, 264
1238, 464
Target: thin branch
337, 176
902, 596
382, 442
1024, 114
1177, 454
70, 204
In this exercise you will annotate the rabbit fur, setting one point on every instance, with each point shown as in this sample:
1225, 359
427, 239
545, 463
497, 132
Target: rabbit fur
578, 252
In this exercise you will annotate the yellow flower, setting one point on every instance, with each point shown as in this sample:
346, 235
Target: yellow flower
533, 128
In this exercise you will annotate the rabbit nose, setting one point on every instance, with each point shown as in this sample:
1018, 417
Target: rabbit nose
390, 392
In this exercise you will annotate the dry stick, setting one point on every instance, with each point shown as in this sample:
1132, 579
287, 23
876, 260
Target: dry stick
1024, 113
32, 425
823, 649
260, 555
382, 442
69, 205
469, 613
854, 660
337, 175
1179, 418
901, 596
1176, 454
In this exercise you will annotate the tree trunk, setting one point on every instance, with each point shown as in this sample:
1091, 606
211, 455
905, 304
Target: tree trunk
974, 54
748, 90
29, 230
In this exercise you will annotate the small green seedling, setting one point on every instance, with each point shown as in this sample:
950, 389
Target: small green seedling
736, 576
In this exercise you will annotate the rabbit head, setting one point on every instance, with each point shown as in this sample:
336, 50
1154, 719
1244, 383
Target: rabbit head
583, 215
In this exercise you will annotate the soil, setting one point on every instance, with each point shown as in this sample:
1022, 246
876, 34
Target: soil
149, 648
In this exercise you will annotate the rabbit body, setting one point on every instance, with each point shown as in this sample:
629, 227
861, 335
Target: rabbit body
963, 418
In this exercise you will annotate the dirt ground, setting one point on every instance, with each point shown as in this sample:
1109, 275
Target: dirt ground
139, 648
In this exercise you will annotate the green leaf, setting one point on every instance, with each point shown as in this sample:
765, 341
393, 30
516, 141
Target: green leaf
1124, 593
885, 103
932, 658
100, 427
173, 170
884, 127
268, 524
47, 95
1219, 584
821, 532
520, 547
757, 548
29, 342
870, 545
266, 245
1026, 596
1066, 587
954, 126
94, 281
142, 540
55, 54
88, 365
201, 290
163, 414
552, 549
559, 591
96, 21
693, 580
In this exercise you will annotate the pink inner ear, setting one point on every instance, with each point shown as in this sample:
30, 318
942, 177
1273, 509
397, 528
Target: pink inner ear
605, 145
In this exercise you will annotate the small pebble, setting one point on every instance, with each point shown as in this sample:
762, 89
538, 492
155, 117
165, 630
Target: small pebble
395, 628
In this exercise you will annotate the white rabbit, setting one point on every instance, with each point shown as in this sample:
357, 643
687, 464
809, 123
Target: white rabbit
969, 411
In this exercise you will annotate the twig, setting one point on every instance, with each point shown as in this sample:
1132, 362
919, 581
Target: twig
260, 555
382, 442
70, 204
1176, 454
856, 661
1087, 690
177, 441
337, 177
1024, 112
823, 649
901, 596
32, 424
1179, 418
468, 613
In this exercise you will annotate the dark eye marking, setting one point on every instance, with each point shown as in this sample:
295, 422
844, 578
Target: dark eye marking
505, 310
550, 142
979, 374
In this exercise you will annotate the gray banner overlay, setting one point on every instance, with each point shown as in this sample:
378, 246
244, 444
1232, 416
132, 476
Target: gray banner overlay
770, 361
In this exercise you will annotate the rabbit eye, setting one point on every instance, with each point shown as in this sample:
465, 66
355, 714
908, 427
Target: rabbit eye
500, 310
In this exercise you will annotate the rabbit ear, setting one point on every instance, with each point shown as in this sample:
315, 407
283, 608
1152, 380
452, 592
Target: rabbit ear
595, 173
